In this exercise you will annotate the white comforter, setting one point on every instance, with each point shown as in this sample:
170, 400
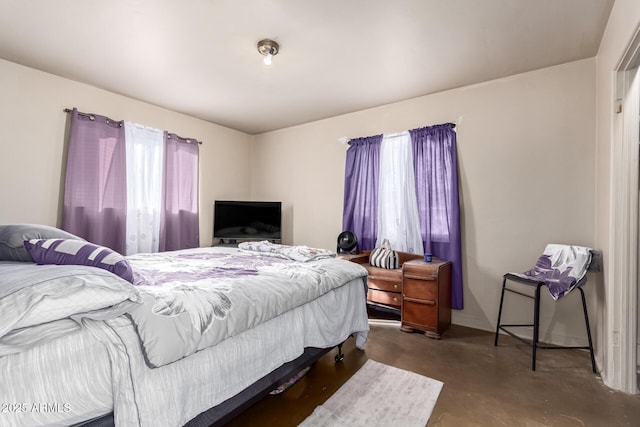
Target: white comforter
196, 298
76, 374
86, 372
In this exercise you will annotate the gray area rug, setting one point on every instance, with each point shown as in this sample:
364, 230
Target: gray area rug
379, 395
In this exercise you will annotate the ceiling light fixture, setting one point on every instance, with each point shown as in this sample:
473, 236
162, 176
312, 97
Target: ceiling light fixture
269, 49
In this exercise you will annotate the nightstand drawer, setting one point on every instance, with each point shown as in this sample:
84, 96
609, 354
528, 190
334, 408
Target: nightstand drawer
420, 289
418, 314
384, 285
386, 298
421, 269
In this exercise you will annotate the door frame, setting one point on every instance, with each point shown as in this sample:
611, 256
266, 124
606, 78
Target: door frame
622, 296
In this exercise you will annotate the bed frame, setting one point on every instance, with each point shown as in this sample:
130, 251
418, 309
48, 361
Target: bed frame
224, 412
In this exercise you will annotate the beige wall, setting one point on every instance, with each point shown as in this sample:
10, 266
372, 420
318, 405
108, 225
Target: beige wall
624, 22
526, 147
32, 138
526, 154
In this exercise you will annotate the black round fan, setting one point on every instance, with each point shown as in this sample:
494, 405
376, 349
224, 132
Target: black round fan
347, 242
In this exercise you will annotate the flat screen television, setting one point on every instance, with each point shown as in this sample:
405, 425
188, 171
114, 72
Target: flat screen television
247, 220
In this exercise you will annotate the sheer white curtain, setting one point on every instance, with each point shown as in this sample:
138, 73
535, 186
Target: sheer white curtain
398, 219
145, 159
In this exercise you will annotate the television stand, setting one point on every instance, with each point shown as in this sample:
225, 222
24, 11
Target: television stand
233, 243
226, 242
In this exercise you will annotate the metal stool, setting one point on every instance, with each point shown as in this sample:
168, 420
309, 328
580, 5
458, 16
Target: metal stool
593, 266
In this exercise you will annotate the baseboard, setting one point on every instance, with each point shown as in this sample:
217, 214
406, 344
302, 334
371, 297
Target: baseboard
526, 333
459, 318
566, 340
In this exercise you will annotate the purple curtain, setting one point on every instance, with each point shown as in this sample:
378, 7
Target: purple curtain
435, 164
95, 197
360, 211
179, 222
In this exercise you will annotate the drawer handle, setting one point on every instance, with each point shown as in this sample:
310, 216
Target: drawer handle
420, 277
421, 301
395, 299
395, 286
386, 279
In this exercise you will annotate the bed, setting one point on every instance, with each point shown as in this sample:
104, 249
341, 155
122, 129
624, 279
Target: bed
136, 341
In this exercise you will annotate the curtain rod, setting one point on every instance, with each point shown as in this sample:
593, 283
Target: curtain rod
90, 116
93, 117
345, 140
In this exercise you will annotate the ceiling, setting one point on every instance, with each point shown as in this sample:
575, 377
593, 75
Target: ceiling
199, 57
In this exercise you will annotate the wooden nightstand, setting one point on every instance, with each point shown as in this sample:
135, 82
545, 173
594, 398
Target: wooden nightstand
426, 297
357, 258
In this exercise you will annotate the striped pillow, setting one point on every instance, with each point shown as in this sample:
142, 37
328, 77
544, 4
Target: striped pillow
76, 252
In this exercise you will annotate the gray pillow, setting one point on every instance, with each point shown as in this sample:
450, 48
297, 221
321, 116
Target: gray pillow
12, 237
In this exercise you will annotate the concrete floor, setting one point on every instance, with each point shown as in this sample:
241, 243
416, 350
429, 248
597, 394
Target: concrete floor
483, 385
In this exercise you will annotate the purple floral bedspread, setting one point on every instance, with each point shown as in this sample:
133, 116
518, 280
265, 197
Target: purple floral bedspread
195, 298
560, 267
